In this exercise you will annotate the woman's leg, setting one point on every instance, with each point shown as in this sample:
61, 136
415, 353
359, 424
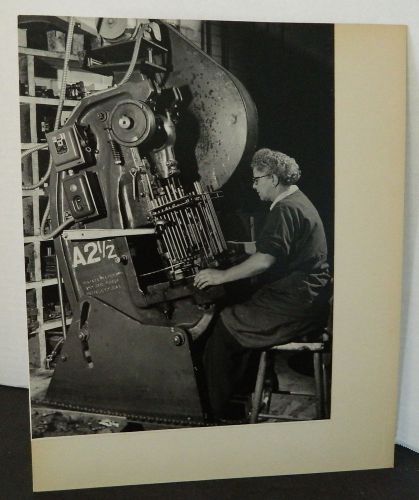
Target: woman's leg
225, 362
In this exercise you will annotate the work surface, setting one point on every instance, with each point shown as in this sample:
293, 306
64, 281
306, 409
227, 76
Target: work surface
15, 474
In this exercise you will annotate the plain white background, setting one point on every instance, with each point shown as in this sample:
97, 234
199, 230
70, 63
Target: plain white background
13, 342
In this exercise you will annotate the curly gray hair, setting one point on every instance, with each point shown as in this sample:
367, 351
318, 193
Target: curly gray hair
273, 162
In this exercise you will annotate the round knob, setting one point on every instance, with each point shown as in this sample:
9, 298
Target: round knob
178, 340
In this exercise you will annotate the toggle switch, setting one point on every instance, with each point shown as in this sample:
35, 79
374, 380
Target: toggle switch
78, 204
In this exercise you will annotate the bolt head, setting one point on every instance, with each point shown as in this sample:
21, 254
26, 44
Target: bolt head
178, 340
101, 115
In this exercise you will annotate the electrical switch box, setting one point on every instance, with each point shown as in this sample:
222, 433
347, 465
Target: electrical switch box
65, 148
82, 195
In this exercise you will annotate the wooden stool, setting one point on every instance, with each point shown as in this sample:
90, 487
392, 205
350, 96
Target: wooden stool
318, 349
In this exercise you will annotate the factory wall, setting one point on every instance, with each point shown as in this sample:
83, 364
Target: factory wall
289, 72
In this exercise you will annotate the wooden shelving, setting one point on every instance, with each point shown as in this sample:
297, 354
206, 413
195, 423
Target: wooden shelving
39, 74
49, 56
52, 324
33, 192
25, 99
39, 284
33, 167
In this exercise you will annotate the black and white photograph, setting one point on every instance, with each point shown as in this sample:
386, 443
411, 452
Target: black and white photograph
178, 220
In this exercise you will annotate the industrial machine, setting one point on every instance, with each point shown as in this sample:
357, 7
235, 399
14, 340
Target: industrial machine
136, 170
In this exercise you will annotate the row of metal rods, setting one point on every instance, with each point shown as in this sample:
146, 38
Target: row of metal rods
211, 217
207, 224
189, 228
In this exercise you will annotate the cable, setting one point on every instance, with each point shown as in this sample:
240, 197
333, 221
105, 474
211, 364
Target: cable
31, 151
67, 55
134, 56
69, 43
58, 229
126, 77
61, 100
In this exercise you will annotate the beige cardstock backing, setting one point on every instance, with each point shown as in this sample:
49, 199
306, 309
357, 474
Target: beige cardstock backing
370, 80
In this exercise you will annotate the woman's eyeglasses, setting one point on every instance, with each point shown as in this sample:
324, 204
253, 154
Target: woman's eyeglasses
255, 180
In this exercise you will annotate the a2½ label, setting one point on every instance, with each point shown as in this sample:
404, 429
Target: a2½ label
93, 252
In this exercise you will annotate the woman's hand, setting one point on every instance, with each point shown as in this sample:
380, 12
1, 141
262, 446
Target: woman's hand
208, 277
252, 266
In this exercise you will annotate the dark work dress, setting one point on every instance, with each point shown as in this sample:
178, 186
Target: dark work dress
291, 301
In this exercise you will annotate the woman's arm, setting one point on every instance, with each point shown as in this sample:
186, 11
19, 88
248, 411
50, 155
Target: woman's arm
254, 265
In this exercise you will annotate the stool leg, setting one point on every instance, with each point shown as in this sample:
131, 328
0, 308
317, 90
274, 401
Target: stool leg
257, 396
317, 362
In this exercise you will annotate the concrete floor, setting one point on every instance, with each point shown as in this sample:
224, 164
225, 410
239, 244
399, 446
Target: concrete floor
57, 422
289, 380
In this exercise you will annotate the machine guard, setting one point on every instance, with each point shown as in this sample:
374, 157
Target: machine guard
117, 364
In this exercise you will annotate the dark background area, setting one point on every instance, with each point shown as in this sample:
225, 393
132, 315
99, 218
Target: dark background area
288, 70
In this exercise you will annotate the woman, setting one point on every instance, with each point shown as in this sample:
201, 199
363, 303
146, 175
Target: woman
291, 259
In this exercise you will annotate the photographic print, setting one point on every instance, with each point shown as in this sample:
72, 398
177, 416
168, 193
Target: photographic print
212, 262
178, 217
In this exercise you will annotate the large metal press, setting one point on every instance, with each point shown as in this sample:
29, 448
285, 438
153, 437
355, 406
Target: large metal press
137, 170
